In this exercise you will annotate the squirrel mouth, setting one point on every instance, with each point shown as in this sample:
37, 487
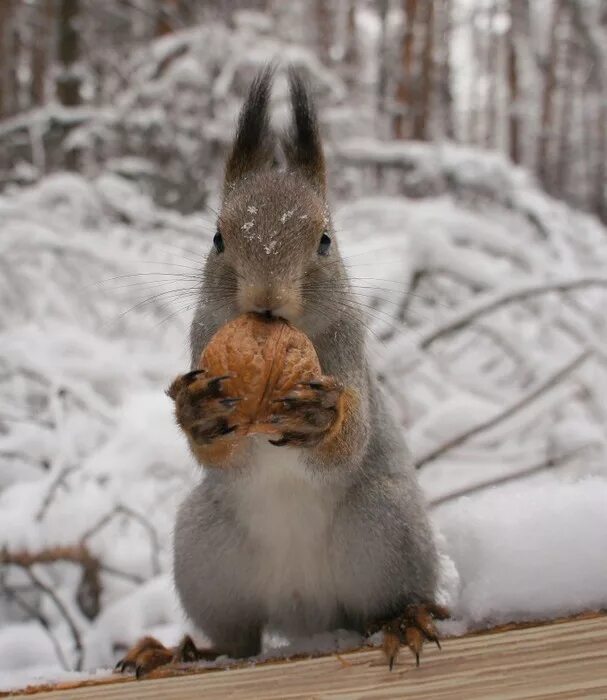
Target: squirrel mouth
290, 311
268, 314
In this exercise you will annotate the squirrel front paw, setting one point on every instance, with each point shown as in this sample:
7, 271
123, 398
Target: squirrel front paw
202, 408
308, 414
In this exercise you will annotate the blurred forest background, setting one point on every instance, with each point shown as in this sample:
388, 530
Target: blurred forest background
525, 77
466, 144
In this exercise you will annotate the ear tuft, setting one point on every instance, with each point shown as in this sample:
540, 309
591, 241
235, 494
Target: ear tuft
301, 143
253, 146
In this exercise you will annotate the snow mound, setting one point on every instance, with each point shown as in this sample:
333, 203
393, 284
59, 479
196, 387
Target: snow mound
529, 553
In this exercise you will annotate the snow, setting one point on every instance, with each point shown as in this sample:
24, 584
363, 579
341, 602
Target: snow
550, 561
96, 292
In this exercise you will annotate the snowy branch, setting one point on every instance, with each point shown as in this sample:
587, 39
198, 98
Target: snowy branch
144, 522
13, 594
507, 412
53, 555
481, 307
58, 481
537, 468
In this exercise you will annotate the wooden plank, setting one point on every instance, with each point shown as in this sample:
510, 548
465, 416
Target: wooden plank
564, 660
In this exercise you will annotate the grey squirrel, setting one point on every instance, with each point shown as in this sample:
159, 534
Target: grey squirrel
325, 527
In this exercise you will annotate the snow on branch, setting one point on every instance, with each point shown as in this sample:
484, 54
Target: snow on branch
483, 306
524, 473
89, 589
143, 521
537, 392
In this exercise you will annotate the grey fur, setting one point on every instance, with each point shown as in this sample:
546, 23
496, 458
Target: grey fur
287, 539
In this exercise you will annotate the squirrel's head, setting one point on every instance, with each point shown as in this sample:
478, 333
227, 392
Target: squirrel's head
274, 251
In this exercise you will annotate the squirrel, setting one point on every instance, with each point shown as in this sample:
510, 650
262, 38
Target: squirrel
325, 527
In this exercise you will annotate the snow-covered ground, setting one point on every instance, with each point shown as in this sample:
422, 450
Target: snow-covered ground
486, 312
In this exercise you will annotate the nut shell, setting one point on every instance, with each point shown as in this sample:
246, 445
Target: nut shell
265, 359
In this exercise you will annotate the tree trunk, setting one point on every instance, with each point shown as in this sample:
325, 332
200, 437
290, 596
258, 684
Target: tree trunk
382, 71
404, 91
474, 97
324, 28
547, 115
421, 118
40, 53
600, 194
350, 58
10, 47
445, 96
5, 56
492, 44
68, 80
166, 13
567, 97
513, 84
589, 29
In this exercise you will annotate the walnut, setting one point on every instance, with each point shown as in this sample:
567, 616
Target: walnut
266, 359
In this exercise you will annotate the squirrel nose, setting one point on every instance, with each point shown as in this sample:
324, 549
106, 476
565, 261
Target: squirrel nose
269, 302
266, 301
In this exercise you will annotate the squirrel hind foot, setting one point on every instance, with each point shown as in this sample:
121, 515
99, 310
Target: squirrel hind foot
148, 654
412, 627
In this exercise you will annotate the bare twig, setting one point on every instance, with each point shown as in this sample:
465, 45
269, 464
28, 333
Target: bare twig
28, 419
507, 412
12, 594
593, 39
133, 578
500, 340
547, 463
89, 591
76, 554
484, 306
58, 481
148, 527
401, 313
63, 611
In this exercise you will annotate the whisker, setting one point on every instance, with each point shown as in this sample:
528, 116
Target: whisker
155, 297
189, 307
363, 295
174, 275
149, 284
184, 309
331, 284
348, 311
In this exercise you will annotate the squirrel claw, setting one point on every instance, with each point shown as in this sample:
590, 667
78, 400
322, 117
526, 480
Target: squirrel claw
213, 386
279, 443
307, 413
230, 401
314, 384
412, 627
189, 377
297, 440
149, 654
202, 407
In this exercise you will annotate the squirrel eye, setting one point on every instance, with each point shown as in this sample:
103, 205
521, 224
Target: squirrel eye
324, 245
218, 242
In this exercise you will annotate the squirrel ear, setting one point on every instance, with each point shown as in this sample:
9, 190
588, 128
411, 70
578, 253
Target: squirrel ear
301, 143
253, 146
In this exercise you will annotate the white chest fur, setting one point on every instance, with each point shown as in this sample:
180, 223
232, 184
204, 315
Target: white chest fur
288, 516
